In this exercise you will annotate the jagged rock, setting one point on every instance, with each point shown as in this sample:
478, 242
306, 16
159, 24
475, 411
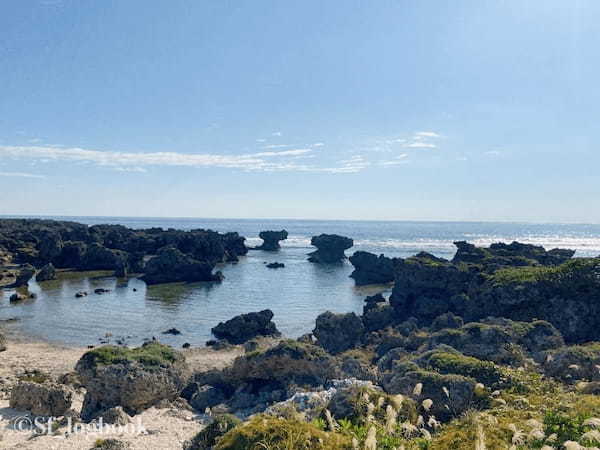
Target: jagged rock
447, 320
100, 291
171, 265
246, 326
207, 438
288, 364
373, 302
26, 273
378, 316
330, 248
451, 395
113, 416
271, 239
371, 269
206, 397
41, 399
135, 379
337, 333
574, 363
276, 265
98, 257
46, 273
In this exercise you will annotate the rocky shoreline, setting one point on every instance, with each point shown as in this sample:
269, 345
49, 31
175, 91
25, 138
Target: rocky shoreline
497, 348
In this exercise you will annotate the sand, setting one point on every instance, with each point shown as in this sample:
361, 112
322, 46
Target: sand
159, 429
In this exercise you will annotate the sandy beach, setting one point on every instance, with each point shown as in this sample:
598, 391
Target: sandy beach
164, 428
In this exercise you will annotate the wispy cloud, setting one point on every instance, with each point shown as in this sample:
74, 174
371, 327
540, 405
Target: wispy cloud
427, 134
419, 145
21, 175
131, 169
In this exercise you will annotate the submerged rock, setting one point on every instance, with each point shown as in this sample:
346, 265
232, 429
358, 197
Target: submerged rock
330, 248
41, 399
337, 333
276, 265
46, 273
271, 239
246, 326
135, 379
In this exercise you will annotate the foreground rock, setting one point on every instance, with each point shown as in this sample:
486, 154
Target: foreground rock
371, 269
338, 332
171, 265
330, 248
244, 327
135, 379
41, 399
271, 240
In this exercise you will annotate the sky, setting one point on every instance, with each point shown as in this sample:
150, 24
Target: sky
383, 110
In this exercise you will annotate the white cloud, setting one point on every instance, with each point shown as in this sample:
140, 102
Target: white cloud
427, 134
318, 144
136, 161
21, 175
277, 133
277, 146
420, 145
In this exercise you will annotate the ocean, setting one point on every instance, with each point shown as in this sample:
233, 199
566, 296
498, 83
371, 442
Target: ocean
297, 294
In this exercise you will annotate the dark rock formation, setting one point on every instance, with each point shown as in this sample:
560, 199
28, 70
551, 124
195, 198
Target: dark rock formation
46, 273
172, 265
275, 265
41, 399
206, 397
271, 240
576, 363
371, 269
26, 273
330, 248
246, 326
337, 333
173, 331
135, 379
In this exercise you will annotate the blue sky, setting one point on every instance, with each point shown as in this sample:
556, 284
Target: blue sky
434, 110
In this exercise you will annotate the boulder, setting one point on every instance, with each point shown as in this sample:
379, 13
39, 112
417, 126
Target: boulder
17, 297
451, 395
171, 265
275, 265
206, 397
135, 379
574, 363
209, 436
371, 269
46, 273
113, 416
330, 248
271, 240
41, 399
246, 326
26, 273
337, 333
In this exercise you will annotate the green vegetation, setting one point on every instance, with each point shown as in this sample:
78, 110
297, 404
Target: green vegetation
271, 433
484, 372
579, 270
151, 354
34, 376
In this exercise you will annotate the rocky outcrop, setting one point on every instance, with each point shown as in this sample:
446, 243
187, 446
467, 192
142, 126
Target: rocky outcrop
98, 257
171, 265
41, 399
564, 295
26, 273
271, 240
135, 379
330, 248
46, 273
513, 254
244, 327
371, 269
337, 333
575, 363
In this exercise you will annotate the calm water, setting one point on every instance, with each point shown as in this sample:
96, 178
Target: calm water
296, 294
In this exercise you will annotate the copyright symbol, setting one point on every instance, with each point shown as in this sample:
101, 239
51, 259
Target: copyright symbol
22, 423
